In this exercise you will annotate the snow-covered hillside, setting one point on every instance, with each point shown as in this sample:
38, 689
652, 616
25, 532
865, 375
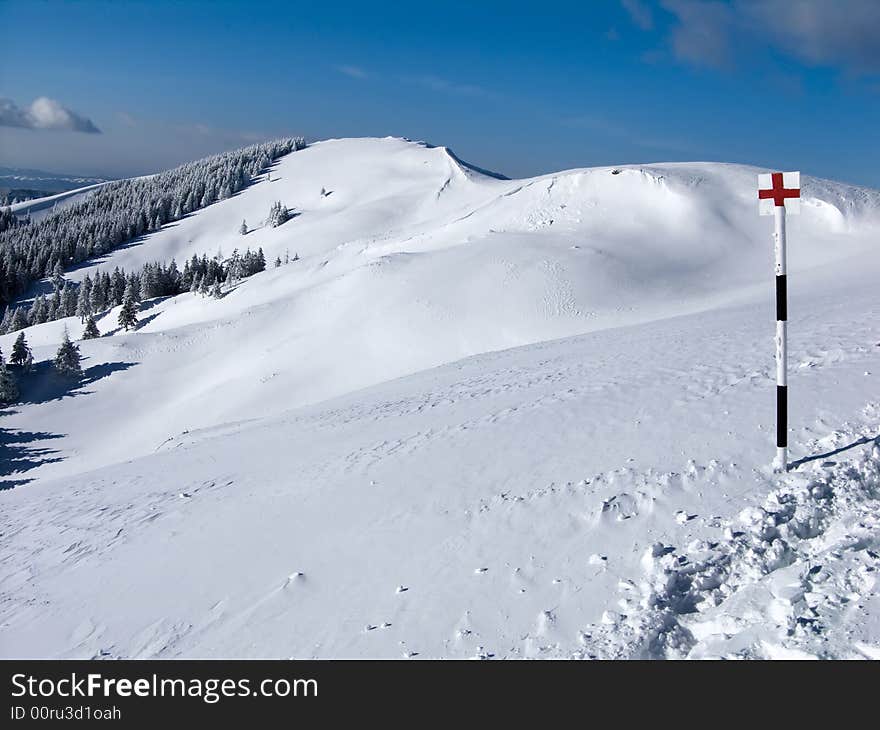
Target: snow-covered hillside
476, 417
40, 207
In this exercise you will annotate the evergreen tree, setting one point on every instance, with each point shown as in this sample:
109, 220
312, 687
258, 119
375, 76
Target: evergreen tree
128, 314
83, 305
68, 300
6, 322
8, 384
67, 359
278, 214
117, 287
97, 298
20, 351
58, 275
91, 330
19, 320
277, 262
215, 290
243, 229
39, 310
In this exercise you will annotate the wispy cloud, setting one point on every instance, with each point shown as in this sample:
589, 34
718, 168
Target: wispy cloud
127, 119
44, 114
843, 33
615, 130
206, 131
640, 13
702, 34
354, 72
428, 81
437, 83
190, 129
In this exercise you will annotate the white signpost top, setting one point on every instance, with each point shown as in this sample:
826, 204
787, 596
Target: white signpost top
779, 190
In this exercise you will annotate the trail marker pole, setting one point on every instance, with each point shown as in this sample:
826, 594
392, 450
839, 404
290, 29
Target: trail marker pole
779, 193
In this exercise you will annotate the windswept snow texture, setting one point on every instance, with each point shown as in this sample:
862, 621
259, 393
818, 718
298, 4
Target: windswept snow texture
477, 418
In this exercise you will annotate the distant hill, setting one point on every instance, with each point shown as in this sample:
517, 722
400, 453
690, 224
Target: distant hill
18, 184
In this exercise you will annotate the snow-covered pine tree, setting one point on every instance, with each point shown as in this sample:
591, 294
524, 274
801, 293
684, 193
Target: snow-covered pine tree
6, 322
91, 330
8, 384
97, 298
277, 262
216, 291
234, 268
83, 305
58, 275
20, 351
67, 359
128, 314
117, 287
39, 310
19, 319
243, 229
68, 300
278, 214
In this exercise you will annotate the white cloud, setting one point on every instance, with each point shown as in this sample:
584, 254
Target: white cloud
355, 72
44, 113
843, 33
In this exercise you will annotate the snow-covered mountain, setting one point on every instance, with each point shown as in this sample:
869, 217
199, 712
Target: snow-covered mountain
476, 417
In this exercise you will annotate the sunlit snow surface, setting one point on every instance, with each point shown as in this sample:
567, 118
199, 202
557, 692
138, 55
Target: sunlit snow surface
543, 408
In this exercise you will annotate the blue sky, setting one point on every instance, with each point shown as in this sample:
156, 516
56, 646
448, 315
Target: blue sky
522, 88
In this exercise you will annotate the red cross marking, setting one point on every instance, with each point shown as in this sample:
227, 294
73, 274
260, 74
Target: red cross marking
779, 192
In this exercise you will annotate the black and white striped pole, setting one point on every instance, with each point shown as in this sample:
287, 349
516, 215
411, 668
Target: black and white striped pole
779, 194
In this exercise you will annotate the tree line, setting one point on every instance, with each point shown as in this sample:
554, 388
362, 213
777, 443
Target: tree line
94, 295
121, 211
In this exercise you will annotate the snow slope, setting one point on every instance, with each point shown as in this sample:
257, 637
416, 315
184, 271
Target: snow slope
41, 207
471, 411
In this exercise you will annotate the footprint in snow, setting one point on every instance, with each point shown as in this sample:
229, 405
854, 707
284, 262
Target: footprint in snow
481, 570
402, 589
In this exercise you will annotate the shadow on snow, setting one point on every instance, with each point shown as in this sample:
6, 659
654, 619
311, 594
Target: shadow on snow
828, 454
17, 455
